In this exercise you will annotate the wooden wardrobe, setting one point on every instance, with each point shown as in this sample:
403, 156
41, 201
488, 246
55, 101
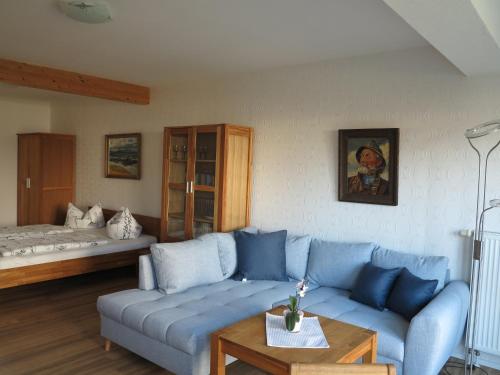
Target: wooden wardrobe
207, 174
45, 177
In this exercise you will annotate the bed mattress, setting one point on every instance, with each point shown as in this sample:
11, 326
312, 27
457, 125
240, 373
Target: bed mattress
111, 246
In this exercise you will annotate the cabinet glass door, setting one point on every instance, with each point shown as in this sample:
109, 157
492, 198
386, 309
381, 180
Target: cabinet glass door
205, 181
178, 185
204, 213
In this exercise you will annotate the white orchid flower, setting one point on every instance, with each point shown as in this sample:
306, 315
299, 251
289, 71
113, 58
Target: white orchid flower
302, 288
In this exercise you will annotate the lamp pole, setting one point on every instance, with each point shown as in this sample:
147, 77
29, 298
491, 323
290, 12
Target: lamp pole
475, 273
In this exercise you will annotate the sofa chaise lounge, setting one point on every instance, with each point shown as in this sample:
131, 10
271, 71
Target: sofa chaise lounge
173, 330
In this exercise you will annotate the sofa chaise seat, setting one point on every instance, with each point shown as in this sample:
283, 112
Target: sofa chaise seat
173, 330
185, 320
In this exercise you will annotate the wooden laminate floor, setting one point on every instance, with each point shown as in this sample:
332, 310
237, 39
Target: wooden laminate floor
53, 328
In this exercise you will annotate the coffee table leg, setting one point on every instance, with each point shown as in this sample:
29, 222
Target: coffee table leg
371, 356
217, 357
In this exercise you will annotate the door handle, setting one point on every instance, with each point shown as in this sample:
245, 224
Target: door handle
191, 189
28, 183
187, 187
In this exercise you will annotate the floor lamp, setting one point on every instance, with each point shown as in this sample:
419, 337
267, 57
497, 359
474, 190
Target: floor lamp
480, 131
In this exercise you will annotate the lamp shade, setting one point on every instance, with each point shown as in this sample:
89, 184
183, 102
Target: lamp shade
96, 11
483, 129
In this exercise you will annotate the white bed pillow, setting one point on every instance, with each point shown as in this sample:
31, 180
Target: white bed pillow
72, 215
95, 216
183, 265
77, 219
123, 226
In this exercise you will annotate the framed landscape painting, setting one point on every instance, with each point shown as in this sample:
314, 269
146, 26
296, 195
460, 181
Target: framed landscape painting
123, 156
368, 166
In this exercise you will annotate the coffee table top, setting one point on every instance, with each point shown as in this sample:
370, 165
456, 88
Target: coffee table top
347, 342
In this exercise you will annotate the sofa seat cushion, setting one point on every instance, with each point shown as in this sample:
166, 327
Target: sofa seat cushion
335, 304
185, 320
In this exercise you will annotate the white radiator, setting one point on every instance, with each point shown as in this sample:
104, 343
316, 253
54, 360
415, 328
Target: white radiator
488, 322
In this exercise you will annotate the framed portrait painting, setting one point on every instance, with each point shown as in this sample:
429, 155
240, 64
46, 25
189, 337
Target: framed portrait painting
368, 166
123, 156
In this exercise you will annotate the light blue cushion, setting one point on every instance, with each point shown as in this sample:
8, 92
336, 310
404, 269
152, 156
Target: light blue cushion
297, 254
183, 265
337, 264
425, 267
227, 250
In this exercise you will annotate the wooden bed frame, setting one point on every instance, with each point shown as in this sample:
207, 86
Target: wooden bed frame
71, 267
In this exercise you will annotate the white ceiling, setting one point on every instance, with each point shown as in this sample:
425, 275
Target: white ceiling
466, 32
159, 41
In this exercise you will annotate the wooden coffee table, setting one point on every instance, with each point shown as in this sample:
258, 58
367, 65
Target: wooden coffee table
246, 340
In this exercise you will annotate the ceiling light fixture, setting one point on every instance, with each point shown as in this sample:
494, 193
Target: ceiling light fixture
86, 11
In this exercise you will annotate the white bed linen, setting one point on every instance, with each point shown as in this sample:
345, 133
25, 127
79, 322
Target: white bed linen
113, 246
32, 231
24, 246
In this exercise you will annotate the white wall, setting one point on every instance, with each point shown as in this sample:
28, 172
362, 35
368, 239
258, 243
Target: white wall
16, 116
296, 113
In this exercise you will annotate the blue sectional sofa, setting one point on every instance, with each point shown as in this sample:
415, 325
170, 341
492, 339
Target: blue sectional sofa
173, 330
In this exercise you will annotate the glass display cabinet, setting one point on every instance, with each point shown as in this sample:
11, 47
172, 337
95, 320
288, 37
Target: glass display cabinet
206, 180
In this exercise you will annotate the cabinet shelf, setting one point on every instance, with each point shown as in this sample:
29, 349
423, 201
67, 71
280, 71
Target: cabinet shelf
204, 220
217, 156
177, 215
177, 185
181, 216
210, 189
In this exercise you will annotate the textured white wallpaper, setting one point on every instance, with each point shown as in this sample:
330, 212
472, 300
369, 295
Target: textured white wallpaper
16, 116
296, 113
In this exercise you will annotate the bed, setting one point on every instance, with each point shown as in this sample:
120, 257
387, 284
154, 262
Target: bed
33, 268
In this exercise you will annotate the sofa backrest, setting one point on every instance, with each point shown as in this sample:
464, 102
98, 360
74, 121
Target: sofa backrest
426, 267
325, 263
337, 264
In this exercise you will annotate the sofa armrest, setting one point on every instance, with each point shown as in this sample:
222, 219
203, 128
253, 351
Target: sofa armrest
435, 331
147, 276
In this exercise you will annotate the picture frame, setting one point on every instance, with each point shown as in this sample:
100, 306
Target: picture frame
368, 166
123, 156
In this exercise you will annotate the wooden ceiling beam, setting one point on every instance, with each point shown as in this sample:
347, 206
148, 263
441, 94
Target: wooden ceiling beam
40, 77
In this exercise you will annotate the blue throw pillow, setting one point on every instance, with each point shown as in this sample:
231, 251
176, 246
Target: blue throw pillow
261, 256
410, 294
374, 285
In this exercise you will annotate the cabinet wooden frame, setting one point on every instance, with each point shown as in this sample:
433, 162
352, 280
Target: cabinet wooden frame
223, 134
45, 177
